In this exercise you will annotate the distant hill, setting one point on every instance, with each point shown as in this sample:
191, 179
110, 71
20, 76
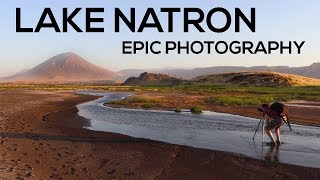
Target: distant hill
63, 68
271, 79
147, 79
312, 71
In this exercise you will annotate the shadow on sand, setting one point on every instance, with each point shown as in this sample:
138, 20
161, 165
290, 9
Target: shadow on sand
34, 136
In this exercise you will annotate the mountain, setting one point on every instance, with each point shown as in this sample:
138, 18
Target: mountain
64, 68
312, 71
309, 71
147, 79
270, 79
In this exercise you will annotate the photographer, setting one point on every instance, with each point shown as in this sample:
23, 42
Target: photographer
274, 120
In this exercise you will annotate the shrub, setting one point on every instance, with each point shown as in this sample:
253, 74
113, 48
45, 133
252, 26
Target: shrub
146, 105
177, 110
196, 109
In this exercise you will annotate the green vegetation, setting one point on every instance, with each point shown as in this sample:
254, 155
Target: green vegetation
233, 95
196, 109
219, 94
146, 105
142, 100
118, 102
137, 101
243, 100
177, 110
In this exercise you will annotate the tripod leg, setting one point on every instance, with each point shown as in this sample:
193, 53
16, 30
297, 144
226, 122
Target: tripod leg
262, 130
256, 130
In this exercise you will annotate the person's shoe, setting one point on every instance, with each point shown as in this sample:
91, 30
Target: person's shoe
278, 142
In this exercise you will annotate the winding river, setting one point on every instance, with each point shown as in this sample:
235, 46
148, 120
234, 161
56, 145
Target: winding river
209, 130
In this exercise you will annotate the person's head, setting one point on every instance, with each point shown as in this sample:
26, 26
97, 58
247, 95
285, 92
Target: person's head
278, 107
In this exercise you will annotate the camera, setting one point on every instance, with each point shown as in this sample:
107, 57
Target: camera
263, 106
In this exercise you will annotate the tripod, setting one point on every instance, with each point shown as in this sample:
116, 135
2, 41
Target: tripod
262, 120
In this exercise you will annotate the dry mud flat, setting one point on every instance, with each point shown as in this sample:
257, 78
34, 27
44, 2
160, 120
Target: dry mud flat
41, 137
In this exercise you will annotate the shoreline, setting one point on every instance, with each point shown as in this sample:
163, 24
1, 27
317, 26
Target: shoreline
53, 144
299, 115
188, 111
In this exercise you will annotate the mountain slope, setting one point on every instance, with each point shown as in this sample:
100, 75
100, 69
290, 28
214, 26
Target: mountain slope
64, 68
309, 71
147, 79
257, 79
312, 71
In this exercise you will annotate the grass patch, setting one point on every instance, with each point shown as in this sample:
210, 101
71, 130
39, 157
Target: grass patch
221, 94
220, 89
245, 95
196, 109
119, 102
146, 105
142, 100
136, 101
242, 100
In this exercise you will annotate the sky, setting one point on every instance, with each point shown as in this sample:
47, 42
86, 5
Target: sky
285, 20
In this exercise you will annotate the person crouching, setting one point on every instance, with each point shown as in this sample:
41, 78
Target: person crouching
274, 120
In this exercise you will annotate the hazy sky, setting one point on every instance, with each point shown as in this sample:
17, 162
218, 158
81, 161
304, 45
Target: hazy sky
276, 20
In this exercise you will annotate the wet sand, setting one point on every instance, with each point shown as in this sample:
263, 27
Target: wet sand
42, 137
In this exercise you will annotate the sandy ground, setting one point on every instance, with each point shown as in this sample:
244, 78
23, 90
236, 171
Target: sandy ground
42, 138
170, 101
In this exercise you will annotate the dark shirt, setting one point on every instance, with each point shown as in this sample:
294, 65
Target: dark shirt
270, 112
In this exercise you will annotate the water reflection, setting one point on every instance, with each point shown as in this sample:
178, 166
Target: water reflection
273, 154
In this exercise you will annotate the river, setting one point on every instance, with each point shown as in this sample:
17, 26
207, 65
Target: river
209, 130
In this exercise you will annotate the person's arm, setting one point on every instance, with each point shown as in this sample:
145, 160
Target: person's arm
264, 111
265, 114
